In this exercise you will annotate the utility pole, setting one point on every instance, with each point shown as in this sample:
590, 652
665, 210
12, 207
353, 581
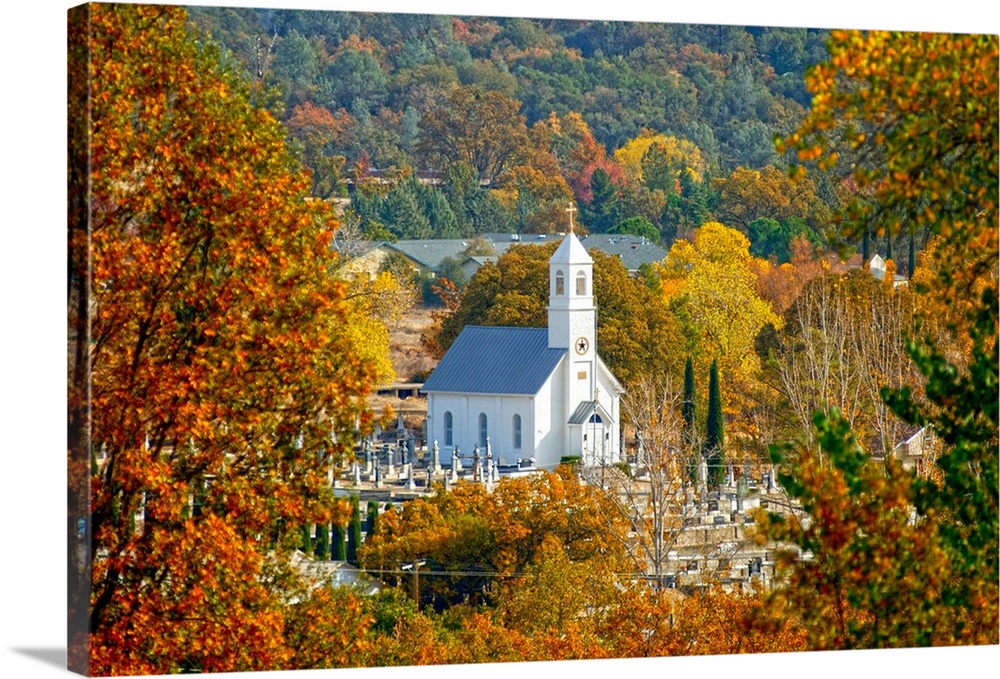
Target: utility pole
415, 566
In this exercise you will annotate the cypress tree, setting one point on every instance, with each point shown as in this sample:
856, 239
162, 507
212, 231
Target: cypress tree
322, 542
339, 545
306, 544
687, 406
372, 516
714, 434
354, 532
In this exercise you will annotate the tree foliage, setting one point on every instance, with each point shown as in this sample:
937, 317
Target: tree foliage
914, 118
212, 330
892, 559
712, 284
481, 128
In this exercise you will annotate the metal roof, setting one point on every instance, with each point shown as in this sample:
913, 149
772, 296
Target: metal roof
496, 360
583, 412
632, 250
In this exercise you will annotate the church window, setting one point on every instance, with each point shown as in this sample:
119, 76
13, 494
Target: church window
483, 430
581, 284
448, 429
517, 432
560, 284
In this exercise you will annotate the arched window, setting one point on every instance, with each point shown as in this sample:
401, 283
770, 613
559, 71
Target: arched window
581, 284
517, 432
560, 284
449, 439
483, 430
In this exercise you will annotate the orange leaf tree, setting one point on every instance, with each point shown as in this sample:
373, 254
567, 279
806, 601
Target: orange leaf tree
900, 560
911, 120
215, 381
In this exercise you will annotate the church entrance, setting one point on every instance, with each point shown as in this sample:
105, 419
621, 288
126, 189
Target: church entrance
596, 443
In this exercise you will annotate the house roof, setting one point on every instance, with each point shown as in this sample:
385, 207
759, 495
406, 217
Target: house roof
429, 253
632, 250
496, 360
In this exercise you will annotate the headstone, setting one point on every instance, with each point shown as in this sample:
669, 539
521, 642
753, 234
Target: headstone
378, 475
410, 485
477, 472
489, 461
357, 473
436, 459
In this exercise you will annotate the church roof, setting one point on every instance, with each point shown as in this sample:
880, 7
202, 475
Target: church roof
491, 360
587, 408
571, 251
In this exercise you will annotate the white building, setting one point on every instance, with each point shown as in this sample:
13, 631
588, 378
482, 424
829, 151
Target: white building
532, 392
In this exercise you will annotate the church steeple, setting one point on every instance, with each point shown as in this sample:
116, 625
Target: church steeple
571, 297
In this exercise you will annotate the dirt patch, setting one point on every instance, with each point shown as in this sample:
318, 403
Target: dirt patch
409, 358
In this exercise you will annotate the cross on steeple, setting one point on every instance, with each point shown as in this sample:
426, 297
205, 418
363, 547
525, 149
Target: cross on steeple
571, 209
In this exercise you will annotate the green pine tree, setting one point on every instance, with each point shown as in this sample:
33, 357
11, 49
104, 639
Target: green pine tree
339, 544
354, 532
714, 428
372, 517
322, 546
306, 544
687, 406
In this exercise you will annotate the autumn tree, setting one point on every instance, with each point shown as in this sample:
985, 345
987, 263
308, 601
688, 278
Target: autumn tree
711, 283
316, 132
208, 356
747, 195
577, 152
877, 576
481, 128
651, 494
472, 537
915, 116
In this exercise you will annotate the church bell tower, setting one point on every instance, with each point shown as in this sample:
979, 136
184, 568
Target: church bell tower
572, 314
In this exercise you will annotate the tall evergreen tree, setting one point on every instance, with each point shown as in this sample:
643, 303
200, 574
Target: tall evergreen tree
687, 406
306, 543
354, 532
714, 434
372, 516
339, 544
322, 543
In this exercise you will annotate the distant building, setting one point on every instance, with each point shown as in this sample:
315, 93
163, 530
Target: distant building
915, 452
876, 266
428, 255
519, 393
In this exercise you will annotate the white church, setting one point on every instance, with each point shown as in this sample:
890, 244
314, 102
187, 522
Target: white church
532, 392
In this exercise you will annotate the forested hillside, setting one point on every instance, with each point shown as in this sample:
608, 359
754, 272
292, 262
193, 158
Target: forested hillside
651, 129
